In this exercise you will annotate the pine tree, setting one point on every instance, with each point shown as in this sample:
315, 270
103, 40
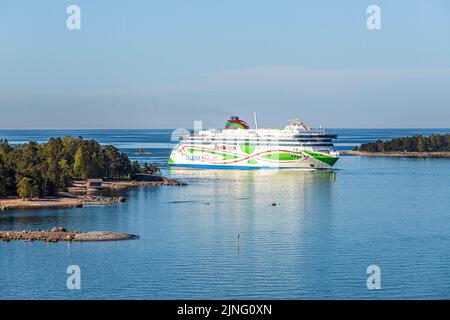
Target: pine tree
27, 189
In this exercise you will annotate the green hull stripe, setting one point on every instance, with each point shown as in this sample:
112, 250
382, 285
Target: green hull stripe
323, 157
281, 156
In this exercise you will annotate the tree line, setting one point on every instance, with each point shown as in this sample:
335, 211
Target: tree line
417, 143
38, 170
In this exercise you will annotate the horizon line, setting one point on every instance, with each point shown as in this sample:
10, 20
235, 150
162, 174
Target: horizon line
167, 128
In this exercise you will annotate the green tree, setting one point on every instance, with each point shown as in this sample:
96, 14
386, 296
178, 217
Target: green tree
52, 166
7, 173
125, 167
51, 171
150, 169
434, 142
135, 168
2, 177
27, 189
81, 165
28, 161
112, 161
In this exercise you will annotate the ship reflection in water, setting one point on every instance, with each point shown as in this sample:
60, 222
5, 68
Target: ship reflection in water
289, 189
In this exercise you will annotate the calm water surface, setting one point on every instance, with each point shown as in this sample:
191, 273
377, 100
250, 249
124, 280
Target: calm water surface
317, 242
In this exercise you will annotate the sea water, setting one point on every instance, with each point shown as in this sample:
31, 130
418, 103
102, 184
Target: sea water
233, 234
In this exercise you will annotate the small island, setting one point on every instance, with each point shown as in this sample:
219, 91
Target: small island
65, 171
433, 146
61, 234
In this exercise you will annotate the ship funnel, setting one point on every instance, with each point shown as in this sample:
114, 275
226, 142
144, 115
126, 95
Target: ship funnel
235, 123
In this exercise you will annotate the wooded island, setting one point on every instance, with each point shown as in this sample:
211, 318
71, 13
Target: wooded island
435, 145
35, 170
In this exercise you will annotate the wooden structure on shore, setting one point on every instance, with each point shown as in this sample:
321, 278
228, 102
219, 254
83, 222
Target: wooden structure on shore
94, 183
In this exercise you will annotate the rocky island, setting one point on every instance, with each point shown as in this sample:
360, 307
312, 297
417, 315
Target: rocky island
61, 234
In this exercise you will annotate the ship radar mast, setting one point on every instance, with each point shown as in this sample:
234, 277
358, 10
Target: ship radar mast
256, 120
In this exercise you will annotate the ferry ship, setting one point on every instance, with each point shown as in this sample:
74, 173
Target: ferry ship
238, 146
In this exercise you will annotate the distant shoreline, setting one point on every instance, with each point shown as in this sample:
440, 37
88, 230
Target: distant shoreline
398, 154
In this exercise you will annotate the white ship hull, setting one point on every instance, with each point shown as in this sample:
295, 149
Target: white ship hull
247, 157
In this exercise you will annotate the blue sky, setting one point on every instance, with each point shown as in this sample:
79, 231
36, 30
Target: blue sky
164, 64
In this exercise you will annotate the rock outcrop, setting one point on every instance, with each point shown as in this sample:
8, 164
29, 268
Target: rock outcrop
61, 234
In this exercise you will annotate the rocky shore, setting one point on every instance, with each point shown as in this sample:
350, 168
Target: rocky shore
61, 234
65, 200
77, 195
398, 154
117, 184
